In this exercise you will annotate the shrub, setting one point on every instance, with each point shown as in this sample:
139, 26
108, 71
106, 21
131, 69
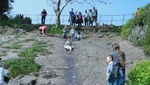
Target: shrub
140, 74
54, 30
20, 19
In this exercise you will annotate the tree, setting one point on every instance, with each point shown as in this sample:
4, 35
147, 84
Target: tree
58, 7
5, 6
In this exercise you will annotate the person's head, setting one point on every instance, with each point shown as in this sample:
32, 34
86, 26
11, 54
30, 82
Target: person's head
44, 10
137, 8
69, 39
93, 8
116, 46
90, 10
79, 12
71, 9
72, 27
78, 32
85, 11
65, 26
109, 58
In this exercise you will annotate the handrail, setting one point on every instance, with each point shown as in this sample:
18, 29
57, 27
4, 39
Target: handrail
107, 19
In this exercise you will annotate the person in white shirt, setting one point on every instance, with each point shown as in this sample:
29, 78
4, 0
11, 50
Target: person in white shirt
1, 74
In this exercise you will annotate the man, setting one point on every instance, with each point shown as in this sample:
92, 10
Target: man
95, 14
43, 13
86, 18
72, 16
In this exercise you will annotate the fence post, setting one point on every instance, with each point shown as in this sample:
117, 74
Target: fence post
123, 19
111, 18
100, 19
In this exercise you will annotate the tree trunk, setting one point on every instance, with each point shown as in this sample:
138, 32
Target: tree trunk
58, 20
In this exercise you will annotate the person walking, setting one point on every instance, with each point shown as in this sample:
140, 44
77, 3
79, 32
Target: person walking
43, 13
119, 61
110, 73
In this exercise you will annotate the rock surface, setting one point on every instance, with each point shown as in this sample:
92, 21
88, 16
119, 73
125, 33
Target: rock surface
86, 65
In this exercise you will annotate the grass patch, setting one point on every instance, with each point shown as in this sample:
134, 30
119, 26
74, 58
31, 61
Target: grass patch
5, 42
20, 67
26, 64
106, 34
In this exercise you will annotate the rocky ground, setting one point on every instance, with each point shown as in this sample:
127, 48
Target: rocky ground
86, 65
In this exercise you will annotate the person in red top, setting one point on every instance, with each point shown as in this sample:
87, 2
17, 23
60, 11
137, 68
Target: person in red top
137, 11
43, 28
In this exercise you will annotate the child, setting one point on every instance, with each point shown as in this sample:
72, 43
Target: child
68, 45
78, 36
43, 28
64, 30
72, 33
110, 70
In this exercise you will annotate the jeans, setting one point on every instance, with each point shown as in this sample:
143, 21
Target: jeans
120, 79
43, 19
111, 80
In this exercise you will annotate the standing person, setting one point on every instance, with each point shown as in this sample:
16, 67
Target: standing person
64, 32
79, 20
43, 28
90, 17
72, 33
110, 73
85, 18
43, 13
119, 61
1, 74
72, 16
95, 14
137, 11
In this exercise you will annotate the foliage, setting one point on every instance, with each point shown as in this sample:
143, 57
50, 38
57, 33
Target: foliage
141, 19
5, 6
20, 19
54, 30
5, 20
106, 34
127, 29
20, 67
26, 64
139, 75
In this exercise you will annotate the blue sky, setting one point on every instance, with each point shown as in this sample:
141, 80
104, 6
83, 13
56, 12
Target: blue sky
33, 8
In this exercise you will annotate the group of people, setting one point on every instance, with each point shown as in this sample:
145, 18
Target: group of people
89, 16
116, 68
73, 36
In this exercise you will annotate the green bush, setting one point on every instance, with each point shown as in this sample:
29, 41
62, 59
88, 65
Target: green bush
140, 74
54, 30
5, 20
20, 19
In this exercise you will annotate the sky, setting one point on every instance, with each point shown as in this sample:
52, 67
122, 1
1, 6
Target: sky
113, 13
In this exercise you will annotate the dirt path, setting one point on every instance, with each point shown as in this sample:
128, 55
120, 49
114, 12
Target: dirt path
86, 65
